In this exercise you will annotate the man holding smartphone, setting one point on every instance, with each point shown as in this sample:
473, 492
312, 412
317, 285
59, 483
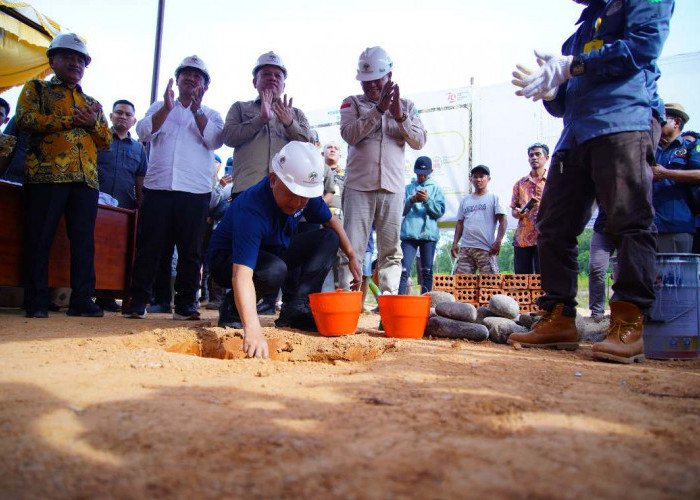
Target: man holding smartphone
525, 204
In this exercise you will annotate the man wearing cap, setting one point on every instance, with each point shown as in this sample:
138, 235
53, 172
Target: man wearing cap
377, 125
524, 206
424, 205
677, 167
258, 129
476, 244
184, 135
604, 86
255, 247
66, 128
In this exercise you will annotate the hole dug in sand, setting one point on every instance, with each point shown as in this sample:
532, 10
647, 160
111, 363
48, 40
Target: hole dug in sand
286, 346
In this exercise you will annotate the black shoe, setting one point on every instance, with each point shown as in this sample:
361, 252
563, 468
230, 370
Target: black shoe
381, 326
108, 305
89, 310
265, 309
298, 317
213, 305
37, 313
186, 313
285, 317
135, 311
228, 314
304, 322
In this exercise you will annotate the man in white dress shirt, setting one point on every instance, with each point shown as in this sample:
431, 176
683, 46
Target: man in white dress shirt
184, 135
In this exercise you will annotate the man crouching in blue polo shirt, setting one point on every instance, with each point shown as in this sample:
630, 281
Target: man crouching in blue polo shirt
255, 246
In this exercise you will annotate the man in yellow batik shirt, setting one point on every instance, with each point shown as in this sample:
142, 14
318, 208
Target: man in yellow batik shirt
66, 128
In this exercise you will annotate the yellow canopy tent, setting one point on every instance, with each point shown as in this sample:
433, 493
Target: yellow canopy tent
25, 34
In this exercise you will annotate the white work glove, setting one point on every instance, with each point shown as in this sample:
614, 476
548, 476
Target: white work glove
523, 73
541, 83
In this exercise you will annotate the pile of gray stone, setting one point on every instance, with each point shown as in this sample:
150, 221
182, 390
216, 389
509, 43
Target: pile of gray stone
457, 320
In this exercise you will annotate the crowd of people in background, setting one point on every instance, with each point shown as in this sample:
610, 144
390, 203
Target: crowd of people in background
282, 218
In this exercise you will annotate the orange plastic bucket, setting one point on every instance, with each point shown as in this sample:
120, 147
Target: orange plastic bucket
336, 313
404, 316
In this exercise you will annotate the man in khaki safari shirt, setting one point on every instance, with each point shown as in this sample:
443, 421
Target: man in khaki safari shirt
377, 125
258, 129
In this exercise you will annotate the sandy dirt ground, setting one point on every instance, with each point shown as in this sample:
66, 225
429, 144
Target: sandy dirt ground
102, 408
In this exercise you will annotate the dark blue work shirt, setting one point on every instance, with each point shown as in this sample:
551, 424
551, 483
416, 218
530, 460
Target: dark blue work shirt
118, 168
670, 198
259, 224
619, 42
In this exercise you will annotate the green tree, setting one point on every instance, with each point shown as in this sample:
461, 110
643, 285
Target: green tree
505, 257
443, 259
584, 248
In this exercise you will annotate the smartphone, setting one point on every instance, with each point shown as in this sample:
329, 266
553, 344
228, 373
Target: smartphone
528, 206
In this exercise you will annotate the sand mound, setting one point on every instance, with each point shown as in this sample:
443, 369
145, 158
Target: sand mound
219, 343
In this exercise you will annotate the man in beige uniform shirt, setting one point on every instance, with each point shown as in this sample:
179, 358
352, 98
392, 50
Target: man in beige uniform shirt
258, 129
377, 125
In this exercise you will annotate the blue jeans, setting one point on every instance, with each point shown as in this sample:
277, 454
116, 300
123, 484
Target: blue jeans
427, 253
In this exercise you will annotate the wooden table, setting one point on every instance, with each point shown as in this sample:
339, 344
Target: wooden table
115, 244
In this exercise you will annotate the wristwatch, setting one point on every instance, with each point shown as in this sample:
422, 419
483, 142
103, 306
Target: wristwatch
577, 66
199, 112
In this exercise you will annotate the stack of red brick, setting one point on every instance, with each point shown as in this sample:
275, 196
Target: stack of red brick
477, 289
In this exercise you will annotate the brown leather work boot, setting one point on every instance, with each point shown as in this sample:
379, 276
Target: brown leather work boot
624, 343
555, 329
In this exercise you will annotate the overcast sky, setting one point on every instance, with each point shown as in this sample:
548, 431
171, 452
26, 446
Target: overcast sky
435, 45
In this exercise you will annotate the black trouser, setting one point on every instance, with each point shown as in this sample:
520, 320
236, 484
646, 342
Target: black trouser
44, 206
526, 260
161, 289
167, 217
696, 241
615, 169
299, 271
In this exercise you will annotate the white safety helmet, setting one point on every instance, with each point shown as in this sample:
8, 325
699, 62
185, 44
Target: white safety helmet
69, 41
196, 63
299, 167
373, 64
270, 59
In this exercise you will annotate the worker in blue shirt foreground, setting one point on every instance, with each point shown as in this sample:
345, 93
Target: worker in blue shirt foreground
255, 246
604, 86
